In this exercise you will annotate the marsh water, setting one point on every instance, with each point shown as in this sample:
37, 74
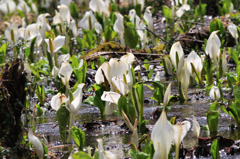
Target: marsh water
117, 139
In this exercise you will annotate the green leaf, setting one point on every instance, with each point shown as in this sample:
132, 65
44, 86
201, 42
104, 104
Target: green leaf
130, 35
167, 14
63, 120
212, 120
215, 149
205, 128
74, 10
78, 136
150, 74
81, 155
131, 108
96, 99
236, 92
3, 51
234, 54
31, 55
135, 154
146, 64
159, 91
122, 105
213, 106
45, 150
138, 9
109, 33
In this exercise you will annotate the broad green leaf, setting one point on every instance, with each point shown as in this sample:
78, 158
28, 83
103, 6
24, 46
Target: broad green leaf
31, 55
96, 99
146, 64
81, 155
215, 149
233, 54
167, 14
236, 92
122, 105
138, 9
150, 74
130, 35
109, 33
213, 106
78, 136
63, 119
3, 51
74, 10
212, 120
135, 154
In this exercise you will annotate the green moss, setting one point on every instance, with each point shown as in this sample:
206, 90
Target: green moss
108, 46
159, 49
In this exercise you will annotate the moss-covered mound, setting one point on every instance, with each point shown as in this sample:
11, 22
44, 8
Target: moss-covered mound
105, 47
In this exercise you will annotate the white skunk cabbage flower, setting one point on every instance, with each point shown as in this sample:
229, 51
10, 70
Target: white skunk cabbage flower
213, 47
121, 86
182, 9
163, 132
57, 100
34, 8
31, 32
157, 77
36, 143
104, 154
66, 2
142, 32
43, 26
74, 29
54, 71
62, 58
196, 128
98, 27
11, 33
168, 65
214, 93
185, 78
65, 73
77, 100
111, 97
56, 44
180, 131
177, 49
232, 28
64, 13
148, 18
73, 107
119, 27
113, 68
129, 59
7, 6
22, 6
21, 33
196, 61
167, 95
88, 21
135, 133
97, 6
134, 18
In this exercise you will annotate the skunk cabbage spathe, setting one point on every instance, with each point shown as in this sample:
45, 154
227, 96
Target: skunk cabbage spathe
163, 132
